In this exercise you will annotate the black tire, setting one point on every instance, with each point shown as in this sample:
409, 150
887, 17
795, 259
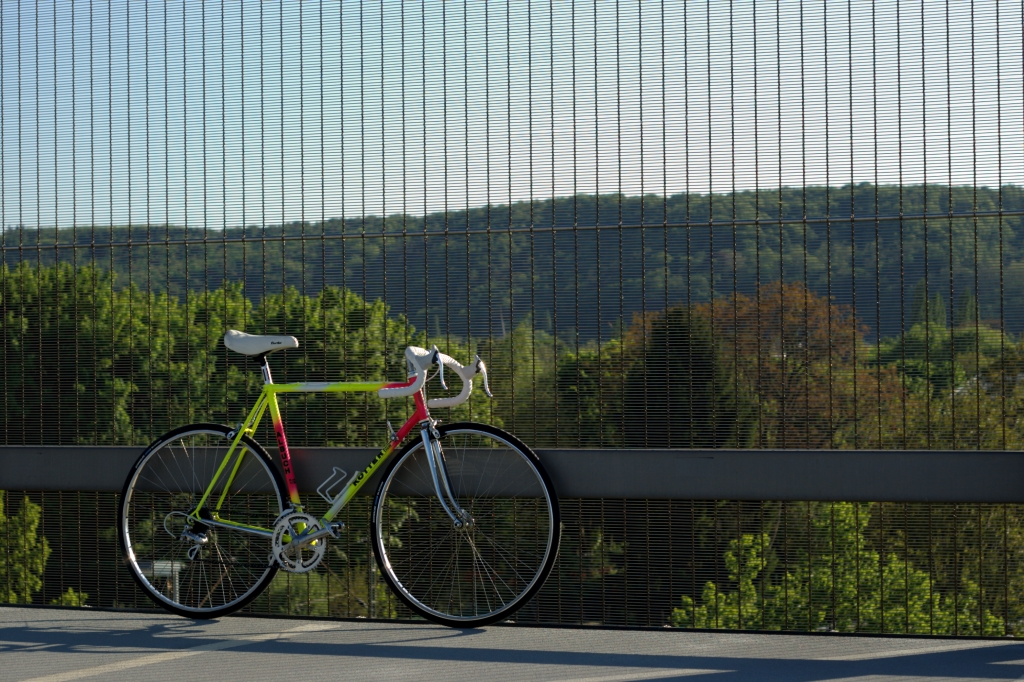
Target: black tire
489, 569
164, 485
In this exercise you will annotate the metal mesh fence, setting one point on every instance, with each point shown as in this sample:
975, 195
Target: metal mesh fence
910, 568
777, 224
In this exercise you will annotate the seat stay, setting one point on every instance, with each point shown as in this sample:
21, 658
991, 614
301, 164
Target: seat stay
231, 477
245, 427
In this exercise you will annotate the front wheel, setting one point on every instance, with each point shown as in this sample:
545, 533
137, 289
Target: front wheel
492, 565
189, 567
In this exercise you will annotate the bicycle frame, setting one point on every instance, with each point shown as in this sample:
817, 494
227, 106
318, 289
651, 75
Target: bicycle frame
267, 401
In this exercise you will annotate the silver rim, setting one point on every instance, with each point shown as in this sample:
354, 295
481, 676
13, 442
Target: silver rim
231, 566
477, 572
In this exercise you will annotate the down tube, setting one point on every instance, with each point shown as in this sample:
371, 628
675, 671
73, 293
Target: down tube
420, 415
282, 445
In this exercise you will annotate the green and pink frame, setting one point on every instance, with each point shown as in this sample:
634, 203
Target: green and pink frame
267, 401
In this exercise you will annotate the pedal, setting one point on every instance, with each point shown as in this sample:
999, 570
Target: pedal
335, 480
335, 529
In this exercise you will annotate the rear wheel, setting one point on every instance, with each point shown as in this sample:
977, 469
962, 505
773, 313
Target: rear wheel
489, 568
188, 567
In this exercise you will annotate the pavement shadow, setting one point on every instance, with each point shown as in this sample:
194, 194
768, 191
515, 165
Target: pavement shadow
119, 636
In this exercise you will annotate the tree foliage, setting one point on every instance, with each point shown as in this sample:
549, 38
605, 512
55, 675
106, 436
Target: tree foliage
95, 358
681, 388
519, 273
25, 551
859, 589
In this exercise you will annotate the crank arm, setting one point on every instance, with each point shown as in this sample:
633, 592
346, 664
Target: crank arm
331, 530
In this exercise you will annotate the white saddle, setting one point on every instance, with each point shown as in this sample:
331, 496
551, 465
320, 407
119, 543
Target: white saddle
254, 344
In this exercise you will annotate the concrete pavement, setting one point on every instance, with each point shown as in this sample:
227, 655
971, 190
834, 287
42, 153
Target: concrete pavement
51, 645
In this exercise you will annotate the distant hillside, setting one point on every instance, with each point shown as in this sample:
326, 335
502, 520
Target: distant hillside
587, 281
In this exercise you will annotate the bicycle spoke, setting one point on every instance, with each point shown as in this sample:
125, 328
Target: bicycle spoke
231, 567
488, 568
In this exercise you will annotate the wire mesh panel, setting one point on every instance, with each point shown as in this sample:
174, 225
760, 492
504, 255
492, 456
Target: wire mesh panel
662, 224
911, 568
739, 224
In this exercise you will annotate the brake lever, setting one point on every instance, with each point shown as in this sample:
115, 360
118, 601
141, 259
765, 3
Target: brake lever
483, 372
440, 368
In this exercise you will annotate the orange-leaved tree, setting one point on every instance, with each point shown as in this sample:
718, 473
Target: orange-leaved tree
806, 359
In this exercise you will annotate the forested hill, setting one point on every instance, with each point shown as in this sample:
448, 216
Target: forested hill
492, 267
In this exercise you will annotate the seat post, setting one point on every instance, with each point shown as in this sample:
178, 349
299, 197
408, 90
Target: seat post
265, 367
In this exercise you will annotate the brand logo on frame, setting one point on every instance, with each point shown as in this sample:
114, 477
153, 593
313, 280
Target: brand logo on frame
366, 472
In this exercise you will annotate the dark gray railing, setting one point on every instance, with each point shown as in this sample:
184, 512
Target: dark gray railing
990, 476
757, 539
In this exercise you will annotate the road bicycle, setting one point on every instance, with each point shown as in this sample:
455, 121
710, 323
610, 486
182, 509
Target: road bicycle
464, 526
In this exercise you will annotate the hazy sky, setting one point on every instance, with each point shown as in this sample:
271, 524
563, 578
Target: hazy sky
216, 114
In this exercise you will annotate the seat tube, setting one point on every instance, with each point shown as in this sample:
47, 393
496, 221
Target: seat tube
282, 446
282, 441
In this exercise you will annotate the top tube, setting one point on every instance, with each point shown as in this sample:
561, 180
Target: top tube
327, 387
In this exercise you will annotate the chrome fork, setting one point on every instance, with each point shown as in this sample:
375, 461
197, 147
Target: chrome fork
439, 475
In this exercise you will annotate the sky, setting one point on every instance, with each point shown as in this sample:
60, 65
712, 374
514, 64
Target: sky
220, 114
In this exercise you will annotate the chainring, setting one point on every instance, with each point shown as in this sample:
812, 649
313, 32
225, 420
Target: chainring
297, 557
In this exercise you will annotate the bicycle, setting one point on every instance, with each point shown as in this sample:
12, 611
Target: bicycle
464, 525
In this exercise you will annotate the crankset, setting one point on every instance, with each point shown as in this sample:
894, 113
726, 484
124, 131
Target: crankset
299, 542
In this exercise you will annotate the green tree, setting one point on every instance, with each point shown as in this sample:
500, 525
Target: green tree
589, 384
70, 598
851, 588
303, 594
925, 309
25, 551
107, 364
681, 390
344, 338
966, 309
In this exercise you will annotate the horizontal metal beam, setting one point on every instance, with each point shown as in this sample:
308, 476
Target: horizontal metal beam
836, 475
